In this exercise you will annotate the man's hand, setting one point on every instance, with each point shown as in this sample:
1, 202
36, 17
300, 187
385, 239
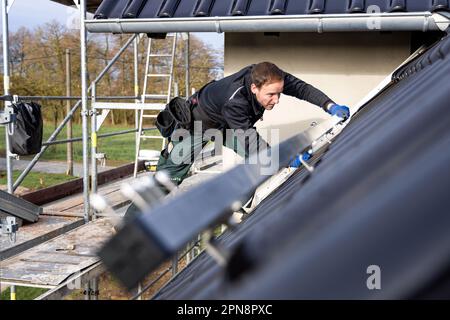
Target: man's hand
305, 156
340, 111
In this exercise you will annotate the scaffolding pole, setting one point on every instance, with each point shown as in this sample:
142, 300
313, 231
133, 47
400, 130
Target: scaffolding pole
187, 61
94, 141
6, 84
104, 135
31, 98
84, 110
69, 170
84, 117
136, 89
94, 129
68, 116
136, 112
93, 285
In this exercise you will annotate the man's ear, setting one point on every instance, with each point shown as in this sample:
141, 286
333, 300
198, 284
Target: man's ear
254, 88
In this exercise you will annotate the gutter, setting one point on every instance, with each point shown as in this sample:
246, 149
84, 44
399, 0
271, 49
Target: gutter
404, 21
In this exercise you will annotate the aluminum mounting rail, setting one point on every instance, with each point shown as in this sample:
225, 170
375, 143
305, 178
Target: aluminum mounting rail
20, 208
144, 243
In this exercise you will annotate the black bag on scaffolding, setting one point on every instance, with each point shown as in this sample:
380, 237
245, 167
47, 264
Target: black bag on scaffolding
176, 114
27, 136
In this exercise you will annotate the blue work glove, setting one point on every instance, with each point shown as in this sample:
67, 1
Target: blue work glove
305, 156
341, 111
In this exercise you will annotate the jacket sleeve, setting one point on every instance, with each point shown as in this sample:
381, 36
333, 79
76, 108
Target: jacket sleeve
249, 140
297, 88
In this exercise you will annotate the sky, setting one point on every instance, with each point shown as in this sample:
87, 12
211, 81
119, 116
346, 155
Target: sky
32, 13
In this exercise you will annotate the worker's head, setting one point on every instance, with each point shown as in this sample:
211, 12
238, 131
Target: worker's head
267, 84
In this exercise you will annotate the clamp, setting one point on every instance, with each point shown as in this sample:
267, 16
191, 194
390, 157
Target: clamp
10, 227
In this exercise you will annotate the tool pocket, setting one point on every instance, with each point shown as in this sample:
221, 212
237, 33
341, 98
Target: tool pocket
28, 129
176, 114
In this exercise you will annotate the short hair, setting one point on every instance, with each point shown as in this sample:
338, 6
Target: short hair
266, 73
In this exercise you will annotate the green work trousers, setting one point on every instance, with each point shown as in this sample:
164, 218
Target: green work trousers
179, 160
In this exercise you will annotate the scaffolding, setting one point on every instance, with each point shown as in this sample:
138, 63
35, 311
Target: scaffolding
88, 276
88, 112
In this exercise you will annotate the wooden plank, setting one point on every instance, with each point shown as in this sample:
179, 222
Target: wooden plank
52, 262
118, 173
66, 207
30, 235
66, 189
116, 199
73, 206
56, 192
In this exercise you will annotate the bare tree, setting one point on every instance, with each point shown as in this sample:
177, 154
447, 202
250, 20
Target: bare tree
38, 66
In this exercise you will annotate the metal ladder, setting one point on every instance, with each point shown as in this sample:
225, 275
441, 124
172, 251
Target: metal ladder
152, 156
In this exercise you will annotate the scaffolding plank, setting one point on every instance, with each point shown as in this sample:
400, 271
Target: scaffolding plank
72, 187
57, 293
52, 262
73, 206
30, 235
59, 217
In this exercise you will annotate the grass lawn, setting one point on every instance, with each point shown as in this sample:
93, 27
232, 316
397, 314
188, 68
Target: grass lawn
119, 149
37, 180
23, 293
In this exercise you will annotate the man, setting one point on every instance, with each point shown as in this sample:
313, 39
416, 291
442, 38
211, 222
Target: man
238, 102
235, 102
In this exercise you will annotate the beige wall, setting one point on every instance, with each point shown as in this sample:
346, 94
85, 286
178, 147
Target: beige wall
346, 66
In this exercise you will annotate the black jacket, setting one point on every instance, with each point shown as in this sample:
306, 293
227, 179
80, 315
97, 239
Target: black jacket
230, 104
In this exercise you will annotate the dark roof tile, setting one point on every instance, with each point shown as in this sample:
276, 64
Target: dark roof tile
202, 8
378, 196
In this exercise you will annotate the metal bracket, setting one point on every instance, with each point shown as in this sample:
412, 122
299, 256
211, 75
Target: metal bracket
88, 113
220, 255
7, 118
306, 165
9, 226
101, 157
148, 191
13, 155
327, 138
217, 253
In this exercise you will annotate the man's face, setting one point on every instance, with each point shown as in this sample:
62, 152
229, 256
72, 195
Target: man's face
269, 94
